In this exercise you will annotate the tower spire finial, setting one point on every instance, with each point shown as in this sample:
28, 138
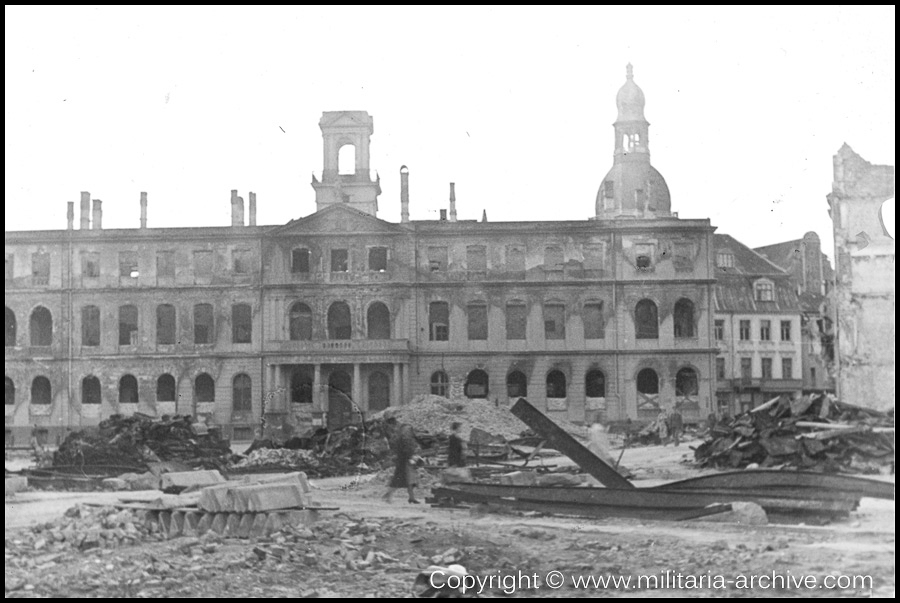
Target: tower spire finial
629, 71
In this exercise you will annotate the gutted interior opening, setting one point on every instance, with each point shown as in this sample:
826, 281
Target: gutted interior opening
339, 324
684, 318
241, 323
438, 321
301, 387
554, 321
90, 326
340, 405
241, 390
128, 264
593, 320
90, 264
516, 319
203, 324
646, 320
440, 384
595, 384
165, 324
379, 392
477, 384
378, 321
128, 325
10, 337
516, 385
437, 259
647, 382
128, 390
90, 390
378, 259
300, 261
40, 391
41, 327
242, 261
686, 383
40, 268
347, 159
340, 260
204, 388
10, 389
720, 368
300, 322
477, 314
165, 388
556, 384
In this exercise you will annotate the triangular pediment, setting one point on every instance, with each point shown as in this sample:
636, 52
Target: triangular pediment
345, 119
337, 220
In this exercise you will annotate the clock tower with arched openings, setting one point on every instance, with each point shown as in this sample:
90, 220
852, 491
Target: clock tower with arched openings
346, 177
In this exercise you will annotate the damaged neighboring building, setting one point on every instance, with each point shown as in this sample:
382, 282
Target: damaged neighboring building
340, 313
812, 276
864, 283
757, 329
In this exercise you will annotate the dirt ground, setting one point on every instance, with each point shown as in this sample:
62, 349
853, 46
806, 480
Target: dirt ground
370, 548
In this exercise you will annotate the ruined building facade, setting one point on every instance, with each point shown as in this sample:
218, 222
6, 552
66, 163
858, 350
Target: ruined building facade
340, 312
864, 283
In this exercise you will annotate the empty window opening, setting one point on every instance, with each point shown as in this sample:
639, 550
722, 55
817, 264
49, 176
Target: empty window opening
643, 256
746, 369
301, 387
300, 261
477, 384
647, 382
41, 327
378, 259
165, 388
556, 384
554, 321
476, 258
720, 368
437, 259
241, 323
339, 324
379, 392
684, 318
128, 390
165, 264
595, 384
300, 322
378, 321
593, 320
440, 384
203, 324
203, 265
165, 324
40, 268
765, 330
90, 326
90, 390
128, 264
646, 320
204, 388
347, 159
10, 388
241, 393
787, 368
90, 264
242, 261
516, 320
438, 321
40, 391
686, 383
516, 385
10, 337
477, 313
515, 259
340, 260
128, 325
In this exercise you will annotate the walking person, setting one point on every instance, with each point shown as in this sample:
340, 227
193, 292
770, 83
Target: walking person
676, 424
403, 444
455, 448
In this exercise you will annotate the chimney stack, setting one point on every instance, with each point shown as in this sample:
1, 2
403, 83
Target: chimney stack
252, 209
443, 215
97, 221
237, 209
143, 210
452, 202
85, 211
70, 215
404, 194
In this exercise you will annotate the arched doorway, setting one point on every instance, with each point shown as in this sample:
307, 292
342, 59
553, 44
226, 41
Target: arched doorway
340, 406
379, 392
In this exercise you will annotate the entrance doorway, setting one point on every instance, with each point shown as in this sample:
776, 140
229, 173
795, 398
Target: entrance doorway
340, 406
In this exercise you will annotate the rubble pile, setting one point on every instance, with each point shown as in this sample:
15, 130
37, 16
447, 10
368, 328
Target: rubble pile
283, 457
815, 433
138, 440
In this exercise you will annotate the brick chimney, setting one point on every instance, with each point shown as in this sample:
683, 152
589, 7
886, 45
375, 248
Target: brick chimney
97, 221
237, 209
85, 211
252, 209
404, 194
143, 210
452, 202
70, 215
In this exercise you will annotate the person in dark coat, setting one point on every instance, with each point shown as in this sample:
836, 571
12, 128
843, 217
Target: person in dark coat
403, 444
455, 453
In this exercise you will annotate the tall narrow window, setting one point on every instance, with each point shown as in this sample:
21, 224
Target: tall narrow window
787, 368
746, 369
165, 264
745, 330
765, 330
128, 264
438, 321
646, 320
440, 385
720, 368
378, 259
90, 326
241, 394
203, 265
128, 390
339, 322
90, 390
785, 330
300, 261
10, 391
766, 368
203, 324
516, 385
595, 384
554, 321
477, 384
128, 325
40, 391
90, 264
478, 321
686, 383
516, 320
340, 260
515, 259
301, 387
204, 388
684, 318
300, 322
41, 327
720, 330
593, 320
165, 324
556, 384
10, 337
378, 321
241, 323
165, 388
40, 268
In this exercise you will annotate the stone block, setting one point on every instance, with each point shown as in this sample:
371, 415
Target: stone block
176, 527
191, 522
272, 497
205, 523
232, 526
165, 522
219, 522
246, 525
189, 479
519, 478
258, 528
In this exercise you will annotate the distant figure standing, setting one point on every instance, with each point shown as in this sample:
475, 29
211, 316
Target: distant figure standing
662, 427
455, 448
599, 443
403, 445
676, 424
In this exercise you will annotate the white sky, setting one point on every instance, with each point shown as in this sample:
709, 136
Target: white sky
746, 105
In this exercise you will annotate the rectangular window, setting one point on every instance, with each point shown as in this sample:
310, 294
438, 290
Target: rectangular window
90, 264
378, 259
128, 264
720, 330
10, 266
766, 368
203, 265
90, 326
765, 330
745, 330
437, 259
746, 368
340, 260
785, 330
40, 268
476, 258
165, 324
516, 320
812, 376
515, 258
165, 264
787, 368
203, 324
720, 369
765, 291
300, 261
554, 321
478, 322
725, 259
684, 256
438, 321
128, 325
242, 260
241, 323
593, 321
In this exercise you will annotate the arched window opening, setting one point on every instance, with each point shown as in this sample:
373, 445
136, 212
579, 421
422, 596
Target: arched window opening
128, 325
556, 384
90, 390
10, 328
165, 324
204, 388
347, 159
128, 390
241, 390
40, 391
41, 327
595, 384
646, 320
648, 382
516, 385
300, 322
684, 318
378, 321
301, 387
10, 391
686, 383
203, 324
440, 384
165, 388
477, 384
339, 324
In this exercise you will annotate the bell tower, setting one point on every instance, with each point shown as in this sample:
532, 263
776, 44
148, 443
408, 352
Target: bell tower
346, 177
